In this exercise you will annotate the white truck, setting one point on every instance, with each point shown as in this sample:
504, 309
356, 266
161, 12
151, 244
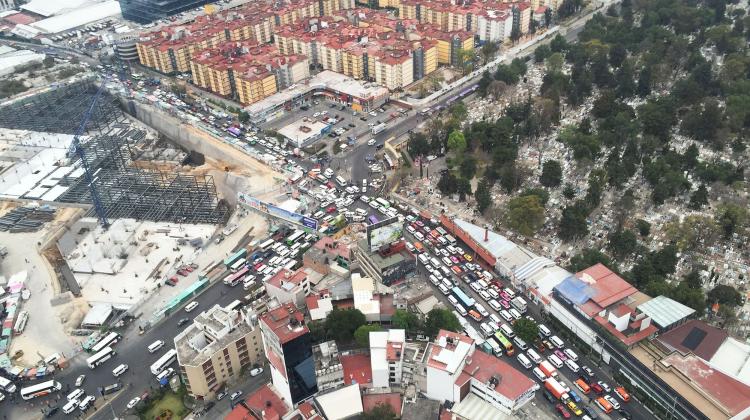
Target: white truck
378, 128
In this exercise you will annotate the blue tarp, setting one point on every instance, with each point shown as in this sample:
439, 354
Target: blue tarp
574, 290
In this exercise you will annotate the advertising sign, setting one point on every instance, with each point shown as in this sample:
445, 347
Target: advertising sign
384, 233
277, 212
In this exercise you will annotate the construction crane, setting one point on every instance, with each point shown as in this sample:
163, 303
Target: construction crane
77, 149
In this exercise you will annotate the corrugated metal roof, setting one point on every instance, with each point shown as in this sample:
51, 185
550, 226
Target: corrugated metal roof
665, 311
473, 407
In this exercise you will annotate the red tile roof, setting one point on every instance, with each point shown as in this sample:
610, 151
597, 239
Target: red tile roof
608, 287
452, 341
482, 366
629, 339
356, 369
369, 401
265, 400
280, 320
337, 248
727, 391
695, 337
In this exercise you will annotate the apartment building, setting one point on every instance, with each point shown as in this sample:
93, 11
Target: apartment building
286, 342
214, 349
289, 286
495, 25
394, 69
329, 372
387, 350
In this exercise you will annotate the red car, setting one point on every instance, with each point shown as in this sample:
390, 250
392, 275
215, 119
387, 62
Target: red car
182, 272
595, 386
563, 412
331, 209
504, 304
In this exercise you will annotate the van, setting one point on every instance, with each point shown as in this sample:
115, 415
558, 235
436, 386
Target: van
76, 394
571, 355
544, 330
573, 366
507, 331
119, 370
446, 271
555, 361
423, 258
481, 310
495, 319
604, 405
461, 310
156, 345
70, 406
434, 280
525, 362
534, 356
510, 293
582, 386
474, 314
86, 402
539, 374
514, 313
447, 283
452, 300
166, 373
521, 344
190, 306
556, 341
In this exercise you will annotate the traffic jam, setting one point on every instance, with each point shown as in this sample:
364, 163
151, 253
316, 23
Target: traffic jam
487, 307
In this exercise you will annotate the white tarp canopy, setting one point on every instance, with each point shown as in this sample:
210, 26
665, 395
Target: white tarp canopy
97, 315
78, 17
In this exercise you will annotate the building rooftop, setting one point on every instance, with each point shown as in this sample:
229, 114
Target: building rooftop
357, 369
370, 401
607, 286
695, 337
342, 403
449, 350
288, 280
286, 322
302, 130
265, 403
336, 248
210, 332
665, 311
473, 407
483, 367
420, 409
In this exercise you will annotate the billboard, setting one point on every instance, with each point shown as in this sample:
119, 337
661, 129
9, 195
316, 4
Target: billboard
384, 233
277, 212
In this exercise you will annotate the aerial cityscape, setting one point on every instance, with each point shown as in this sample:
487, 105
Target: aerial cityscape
374, 209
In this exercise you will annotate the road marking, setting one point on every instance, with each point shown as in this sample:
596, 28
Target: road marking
114, 397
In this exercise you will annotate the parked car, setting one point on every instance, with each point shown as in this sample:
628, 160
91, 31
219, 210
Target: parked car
132, 403
80, 379
257, 371
235, 395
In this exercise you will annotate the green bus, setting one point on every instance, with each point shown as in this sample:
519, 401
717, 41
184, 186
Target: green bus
504, 343
242, 253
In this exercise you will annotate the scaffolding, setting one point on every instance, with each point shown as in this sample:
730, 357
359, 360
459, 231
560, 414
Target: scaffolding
125, 190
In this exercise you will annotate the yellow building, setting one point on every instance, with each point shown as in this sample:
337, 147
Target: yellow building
215, 349
430, 57
407, 11
353, 63
329, 56
254, 84
389, 3
394, 69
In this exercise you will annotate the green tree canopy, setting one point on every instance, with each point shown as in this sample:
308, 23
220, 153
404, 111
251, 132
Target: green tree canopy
406, 320
456, 142
341, 323
527, 330
551, 174
724, 295
362, 334
590, 257
381, 411
482, 195
525, 214
441, 319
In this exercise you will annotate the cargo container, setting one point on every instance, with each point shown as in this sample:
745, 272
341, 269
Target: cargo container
555, 388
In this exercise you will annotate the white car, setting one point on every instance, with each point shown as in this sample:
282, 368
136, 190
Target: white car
257, 371
132, 403
612, 401
371, 142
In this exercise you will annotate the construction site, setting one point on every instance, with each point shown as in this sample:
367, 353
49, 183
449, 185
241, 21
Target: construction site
96, 211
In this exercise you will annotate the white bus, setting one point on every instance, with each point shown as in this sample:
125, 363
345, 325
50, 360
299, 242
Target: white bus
237, 265
23, 318
7, 386
294, 237
100, 357
164, 361
265, 245
383, 202
108, 341
234, 305
41, 389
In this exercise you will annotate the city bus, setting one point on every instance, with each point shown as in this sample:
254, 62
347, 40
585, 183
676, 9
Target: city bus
496, 349
462, 298
267, 244
237, 265
20, 325
294, 237
504, 343
237, 277
241, 254
383, 203
372, 219
164, 361
41, 389
100, 357
108, 341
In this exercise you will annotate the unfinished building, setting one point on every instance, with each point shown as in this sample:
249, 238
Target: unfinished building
123, 189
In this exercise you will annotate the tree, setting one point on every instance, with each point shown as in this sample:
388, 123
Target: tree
48, 62
644, 227
447, 183
617, 55
362, 334
418, 144
341, 323
622, 243
569, 192
456, 142
441, 319
573, 223
732, 218
724, 295
551, 174
525, 214
381, 411
555, 62
590, 257
468, 167
317, 331
458, 111
482, 195
243, 117
541, 53
497, 89
463, 188
698, 198
526, 329
406, 320
488, 51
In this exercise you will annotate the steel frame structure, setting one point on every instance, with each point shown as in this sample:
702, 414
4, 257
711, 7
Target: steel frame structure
124, 190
